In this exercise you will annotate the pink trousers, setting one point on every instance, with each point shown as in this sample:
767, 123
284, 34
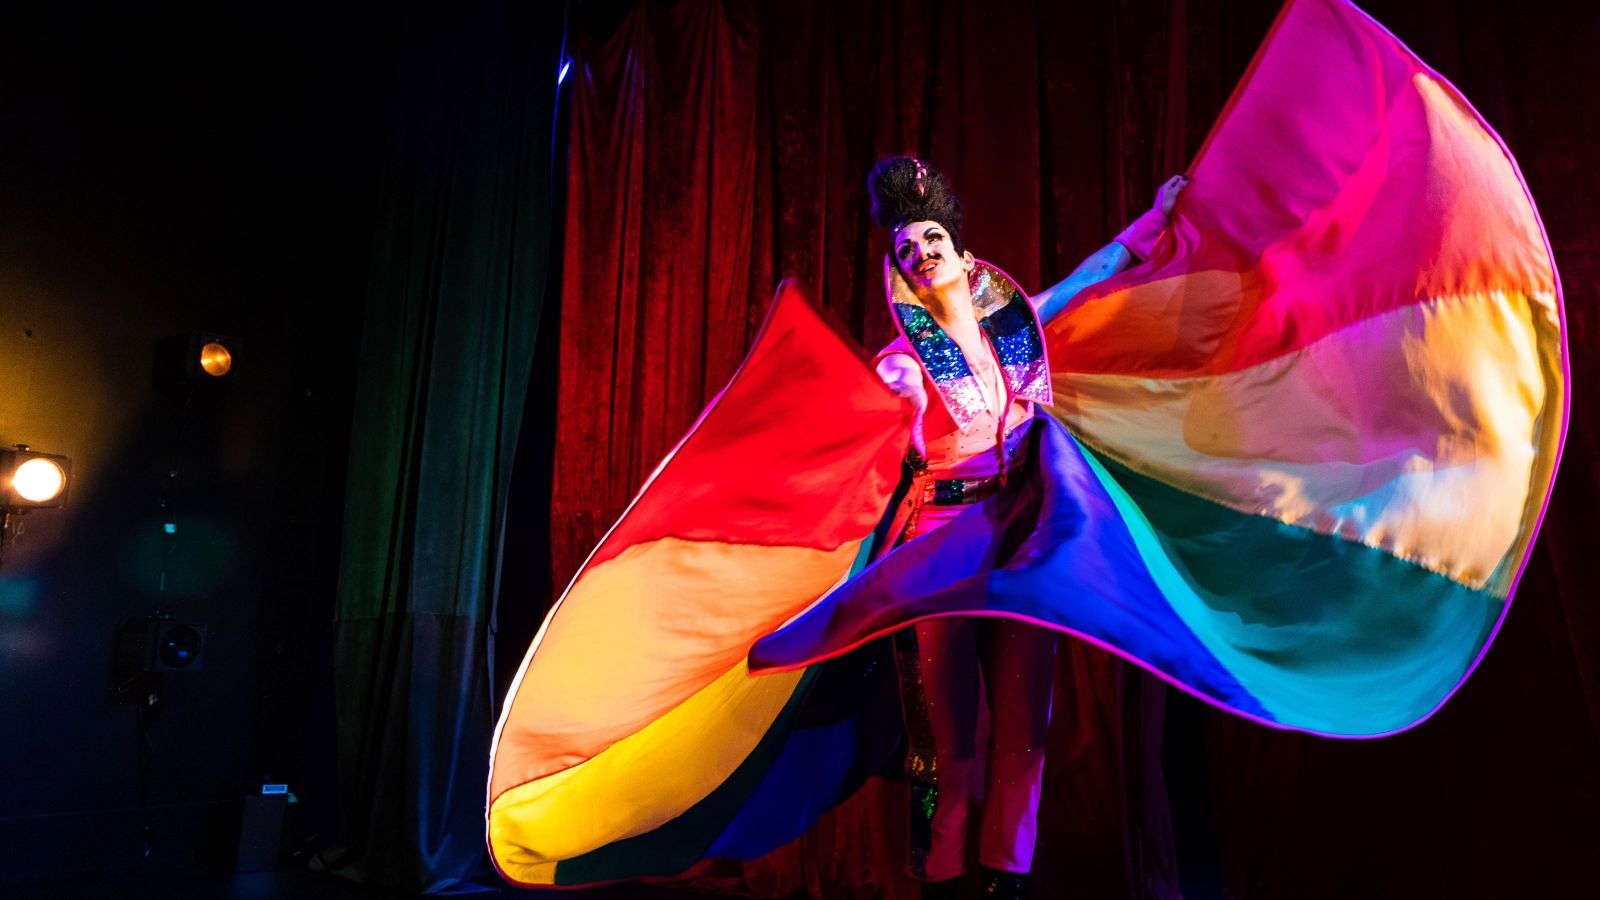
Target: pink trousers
1017, 666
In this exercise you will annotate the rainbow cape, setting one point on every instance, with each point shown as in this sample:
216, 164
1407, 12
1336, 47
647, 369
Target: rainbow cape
1294, 465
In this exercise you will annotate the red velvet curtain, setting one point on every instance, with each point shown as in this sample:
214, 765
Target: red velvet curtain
718, 146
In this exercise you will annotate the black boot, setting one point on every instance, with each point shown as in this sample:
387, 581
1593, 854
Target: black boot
999, 885
941, 890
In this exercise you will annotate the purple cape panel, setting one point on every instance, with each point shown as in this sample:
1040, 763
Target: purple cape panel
1050, 548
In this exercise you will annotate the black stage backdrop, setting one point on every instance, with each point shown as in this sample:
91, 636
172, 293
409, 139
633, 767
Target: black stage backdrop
166, 167
718, 146
326, 183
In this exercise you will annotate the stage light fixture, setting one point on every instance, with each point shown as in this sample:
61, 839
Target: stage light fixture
196, 357
216, 360
30, 480
157, 644
175, 647
196, 370
207, 356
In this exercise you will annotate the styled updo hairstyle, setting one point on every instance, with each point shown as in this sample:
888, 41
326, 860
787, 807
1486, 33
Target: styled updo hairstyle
906, 189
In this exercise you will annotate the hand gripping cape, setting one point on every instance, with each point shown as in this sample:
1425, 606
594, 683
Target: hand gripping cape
1307, 447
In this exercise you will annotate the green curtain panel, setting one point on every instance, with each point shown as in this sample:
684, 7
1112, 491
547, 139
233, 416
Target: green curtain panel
458, 279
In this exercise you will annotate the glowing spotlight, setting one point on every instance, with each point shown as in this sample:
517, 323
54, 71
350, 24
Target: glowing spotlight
196, 370
206, 355
216, 359
39, 480
196, 357
566, 65
30, 480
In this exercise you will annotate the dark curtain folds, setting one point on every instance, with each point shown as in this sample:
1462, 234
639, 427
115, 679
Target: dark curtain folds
457, 283
720, 145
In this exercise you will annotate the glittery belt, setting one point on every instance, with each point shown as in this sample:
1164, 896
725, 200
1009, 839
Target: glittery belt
959, 491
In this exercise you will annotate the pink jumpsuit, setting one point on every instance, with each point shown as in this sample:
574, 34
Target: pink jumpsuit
1013, 662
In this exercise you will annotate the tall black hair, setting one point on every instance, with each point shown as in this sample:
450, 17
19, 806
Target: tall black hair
906, 189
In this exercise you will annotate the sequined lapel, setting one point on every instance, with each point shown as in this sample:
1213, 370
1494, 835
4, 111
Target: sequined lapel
1004, 314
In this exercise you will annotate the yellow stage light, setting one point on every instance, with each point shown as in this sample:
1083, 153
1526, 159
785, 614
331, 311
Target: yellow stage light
30, 480
195, 370
39, 480
215, 359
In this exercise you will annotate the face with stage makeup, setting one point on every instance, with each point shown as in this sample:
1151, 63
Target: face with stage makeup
927, 256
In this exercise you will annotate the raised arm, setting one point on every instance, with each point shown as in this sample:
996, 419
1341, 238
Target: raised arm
1134, 242
1100, 265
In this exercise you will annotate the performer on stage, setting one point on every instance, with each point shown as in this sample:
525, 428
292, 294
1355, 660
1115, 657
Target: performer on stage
1293, 465
982, 365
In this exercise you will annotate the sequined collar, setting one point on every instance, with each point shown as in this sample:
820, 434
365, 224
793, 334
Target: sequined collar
1006, 317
